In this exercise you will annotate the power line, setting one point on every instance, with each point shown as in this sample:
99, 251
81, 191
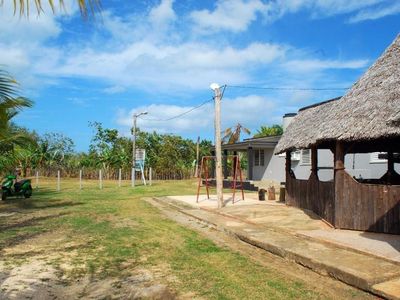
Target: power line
241, 87
286, 88
181, 114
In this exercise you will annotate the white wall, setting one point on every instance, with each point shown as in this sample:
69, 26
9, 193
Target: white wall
273, 169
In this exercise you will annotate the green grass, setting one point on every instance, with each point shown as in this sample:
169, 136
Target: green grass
111, 232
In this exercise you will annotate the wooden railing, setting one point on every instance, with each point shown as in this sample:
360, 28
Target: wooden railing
313, 195
367, 207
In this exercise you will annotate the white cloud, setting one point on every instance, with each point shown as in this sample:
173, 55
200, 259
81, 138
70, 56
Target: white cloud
251, 111
376, 13
233, 16
115, 89
162, 14
312, 65
327, 8
188, 65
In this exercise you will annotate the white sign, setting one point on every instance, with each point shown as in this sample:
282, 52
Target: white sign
140, 157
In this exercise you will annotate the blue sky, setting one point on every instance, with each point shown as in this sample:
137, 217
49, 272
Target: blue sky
161, 56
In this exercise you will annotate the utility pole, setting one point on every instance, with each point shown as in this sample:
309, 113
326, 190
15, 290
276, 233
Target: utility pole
135, 116
218, 166
196, 173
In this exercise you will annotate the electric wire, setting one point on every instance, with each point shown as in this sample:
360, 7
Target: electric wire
240, 87
287, 88
181, 114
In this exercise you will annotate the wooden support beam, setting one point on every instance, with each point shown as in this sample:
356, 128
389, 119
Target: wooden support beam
288, 162
314, 160
339, 210
250, 162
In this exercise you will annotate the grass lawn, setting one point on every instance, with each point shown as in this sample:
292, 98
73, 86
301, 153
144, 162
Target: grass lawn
109, 233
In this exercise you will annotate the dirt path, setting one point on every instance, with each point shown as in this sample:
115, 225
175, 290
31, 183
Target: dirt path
325, 285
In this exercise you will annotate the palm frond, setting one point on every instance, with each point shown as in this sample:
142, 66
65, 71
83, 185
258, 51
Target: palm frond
86, 7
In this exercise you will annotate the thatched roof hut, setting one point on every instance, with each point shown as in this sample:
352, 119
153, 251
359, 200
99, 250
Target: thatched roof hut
370, 110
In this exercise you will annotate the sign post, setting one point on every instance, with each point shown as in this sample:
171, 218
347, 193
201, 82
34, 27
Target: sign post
140, 157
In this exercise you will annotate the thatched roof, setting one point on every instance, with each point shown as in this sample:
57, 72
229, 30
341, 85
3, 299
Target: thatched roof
370, 109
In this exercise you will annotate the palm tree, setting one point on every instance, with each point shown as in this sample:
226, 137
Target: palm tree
10, 106
87, 7
269, 131
232, 134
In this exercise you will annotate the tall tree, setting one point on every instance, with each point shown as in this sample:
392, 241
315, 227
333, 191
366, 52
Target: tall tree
269, 131
232, 134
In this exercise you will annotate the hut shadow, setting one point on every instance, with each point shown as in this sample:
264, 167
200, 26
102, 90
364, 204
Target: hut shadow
392, 237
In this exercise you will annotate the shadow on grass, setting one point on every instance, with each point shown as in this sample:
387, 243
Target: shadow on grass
31, 222
45, 198
19, 239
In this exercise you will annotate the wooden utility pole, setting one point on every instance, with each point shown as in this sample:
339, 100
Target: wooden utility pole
218, 166
135, 116
134, 150
196, 173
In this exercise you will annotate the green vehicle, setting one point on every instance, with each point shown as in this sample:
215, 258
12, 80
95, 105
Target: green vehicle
20, 188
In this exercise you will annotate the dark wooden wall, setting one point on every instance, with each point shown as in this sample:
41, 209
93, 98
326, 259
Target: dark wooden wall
367, 207
313, 195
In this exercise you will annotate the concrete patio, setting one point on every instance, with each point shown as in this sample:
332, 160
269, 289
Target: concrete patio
369, 261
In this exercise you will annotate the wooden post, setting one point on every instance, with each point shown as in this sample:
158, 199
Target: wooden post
196, 172
100, 179
390, 166
151, 176
250, 162
133, 176
225, 159
339, 184
314, 161
58, 181
119, 177
218, 165
288, 164
80, 179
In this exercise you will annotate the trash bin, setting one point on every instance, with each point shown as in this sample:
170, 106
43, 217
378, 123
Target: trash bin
261, 195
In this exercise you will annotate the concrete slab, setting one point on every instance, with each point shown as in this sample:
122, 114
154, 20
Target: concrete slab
390, 289
260, 225
384, 245
249, 199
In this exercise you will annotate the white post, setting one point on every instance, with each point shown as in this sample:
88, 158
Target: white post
218, 166
100, 180
37, 179
119, 177
58, 181
80, 179
150, 176
133, 177
143, 178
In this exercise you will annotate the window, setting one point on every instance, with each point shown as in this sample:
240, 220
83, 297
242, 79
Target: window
259, 157
296, 155
375, 159
306, 157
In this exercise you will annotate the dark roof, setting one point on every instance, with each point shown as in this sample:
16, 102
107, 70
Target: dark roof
268, 142
369, 110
